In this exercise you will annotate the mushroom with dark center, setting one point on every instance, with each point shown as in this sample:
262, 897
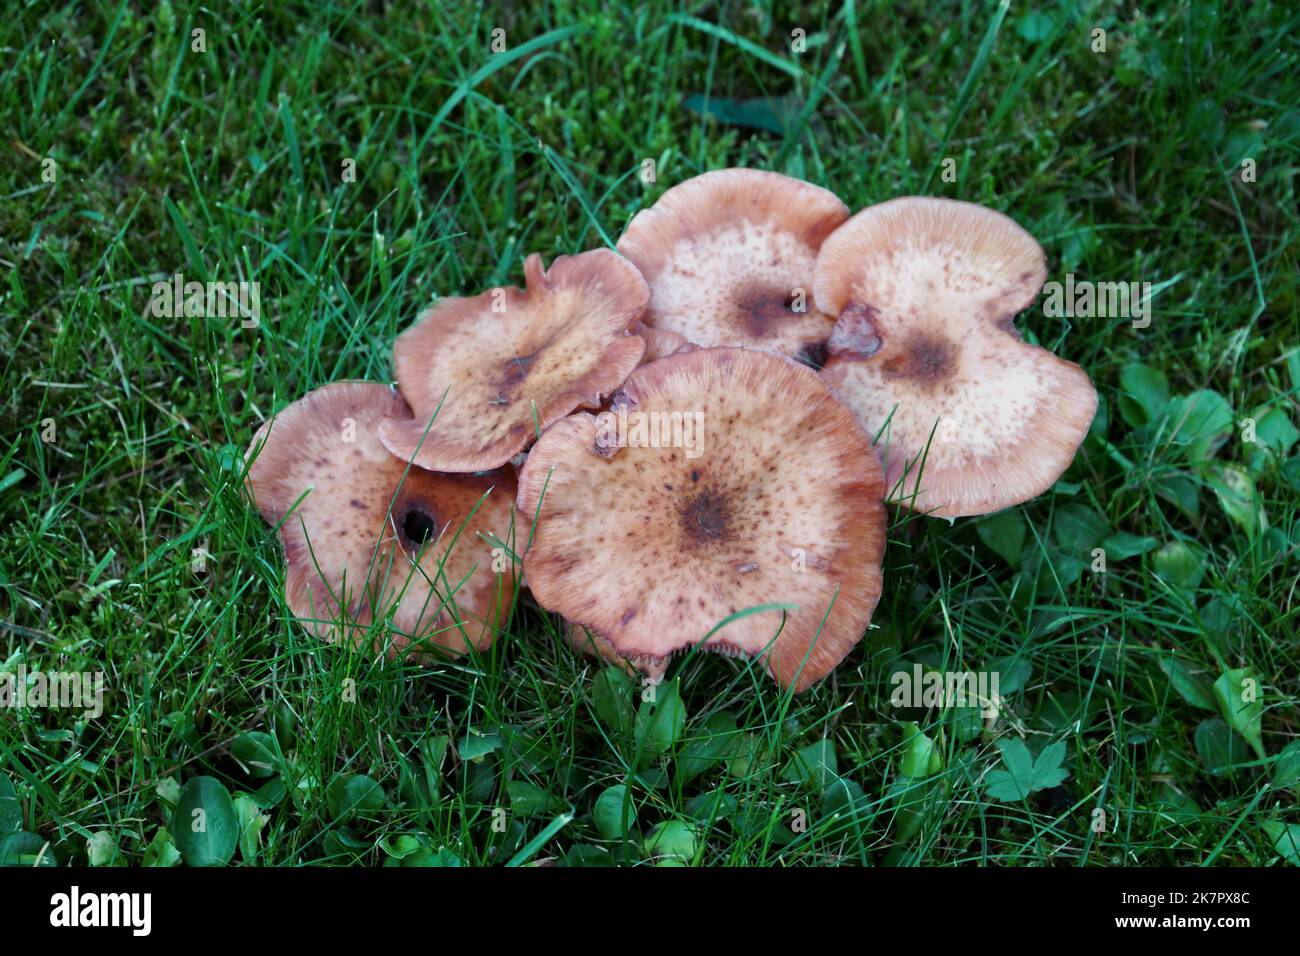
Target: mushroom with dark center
482, 374
729, 259
367, 539
705, 517
974, 419
649, 549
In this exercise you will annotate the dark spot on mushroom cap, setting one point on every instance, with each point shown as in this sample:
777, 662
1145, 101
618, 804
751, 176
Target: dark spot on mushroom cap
706, 517
516, 370
924, 359
417, 526
761, 309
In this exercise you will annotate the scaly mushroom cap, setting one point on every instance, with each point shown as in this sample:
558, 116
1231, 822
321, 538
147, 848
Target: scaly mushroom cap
926, 291
361, 541
511, 361
722, 479
729, 259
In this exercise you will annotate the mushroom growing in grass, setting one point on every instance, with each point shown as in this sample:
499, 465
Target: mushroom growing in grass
721, 482
729, 259
484, 374
365, 538
925, 352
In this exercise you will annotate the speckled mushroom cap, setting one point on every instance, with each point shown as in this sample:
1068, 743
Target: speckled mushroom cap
364, 537
493, 369
652, 531
925, 348
729, 259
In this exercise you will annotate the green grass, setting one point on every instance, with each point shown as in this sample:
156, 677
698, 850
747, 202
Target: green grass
227, 165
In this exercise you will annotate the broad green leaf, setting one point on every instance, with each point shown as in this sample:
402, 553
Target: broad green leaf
256, 751
400, 845
251, 822
769, 113
920, 757
271, 793
714, 743
1181, 564
1035, 27
1236, 493
354, 795
1078, 529
1238, 694
614, 812
660, 722
967, 723
1123, 545
1203, 420
1181, 491
1286, 768
741, 760
169, 791
586, 854
204, 824
474, 746
844, 797
426, 856
1284, 838
1004, 534
25, 849
101, 849
1013, 673
1144, 394
1221, 749
528, 800
161, 851
1023, 774
812, 766
611, 692
285, 725
712, 805
1274, 436
673, 839
1194, 688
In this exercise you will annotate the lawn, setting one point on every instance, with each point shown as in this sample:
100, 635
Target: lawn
360, 160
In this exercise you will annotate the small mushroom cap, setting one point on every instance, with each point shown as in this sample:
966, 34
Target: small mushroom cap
729, 259
364, 537
511, 361
926, 290
740, 482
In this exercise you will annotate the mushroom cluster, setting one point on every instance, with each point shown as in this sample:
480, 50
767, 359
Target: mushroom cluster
693, 438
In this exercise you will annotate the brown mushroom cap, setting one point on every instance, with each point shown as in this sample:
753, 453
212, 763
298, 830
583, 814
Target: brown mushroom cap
727, 254
511, 361
363, 536
777, 499
926, 291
